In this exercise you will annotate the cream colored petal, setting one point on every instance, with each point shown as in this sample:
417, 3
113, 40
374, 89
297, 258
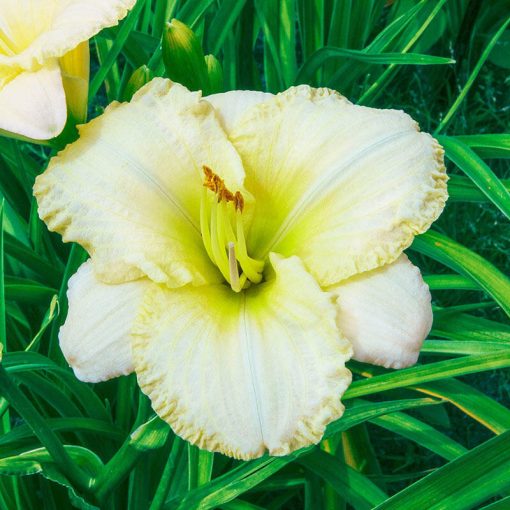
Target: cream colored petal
342, 186
129, 189
232, 105
244, 373
95, 336
385, 313
33, 104
38, 30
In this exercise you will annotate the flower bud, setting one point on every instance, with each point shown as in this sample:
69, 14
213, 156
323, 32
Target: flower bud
183, 57
215, 72
75, 69
138, 79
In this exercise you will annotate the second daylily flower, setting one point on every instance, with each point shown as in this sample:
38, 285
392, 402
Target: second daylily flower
242, 247
44, 61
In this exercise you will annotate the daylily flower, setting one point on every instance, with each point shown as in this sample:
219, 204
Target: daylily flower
242, 246
44, 61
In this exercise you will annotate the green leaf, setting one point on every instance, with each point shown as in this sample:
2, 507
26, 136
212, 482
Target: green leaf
472, 402
408, 40
249, 474
47, 320
191, 12
462, 326
358, 411
44, 270
450, 282
478, 172
502, 504
127, 26
324, 54
356, 488
47, 437
23, 290
168, 475
421, 433
74, 424
462, 189
488, 146
151, 435
466, 262
472, 77
39, 461
29, 362
36, 461
463, 483
430, 372
462, 347
267, 15
222, 23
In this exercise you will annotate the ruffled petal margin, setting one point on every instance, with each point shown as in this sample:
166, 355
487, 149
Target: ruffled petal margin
129, 189
43, 30
232, 105
344, 187
246, 373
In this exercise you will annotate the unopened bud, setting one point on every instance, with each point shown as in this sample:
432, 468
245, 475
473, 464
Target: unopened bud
215, 72
75, 68
138, 79
183, 57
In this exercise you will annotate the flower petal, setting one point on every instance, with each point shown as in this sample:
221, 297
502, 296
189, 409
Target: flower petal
244, 373
95, 337
386, 314
342, 186
129, 189
33, 104
36, 31
232, 105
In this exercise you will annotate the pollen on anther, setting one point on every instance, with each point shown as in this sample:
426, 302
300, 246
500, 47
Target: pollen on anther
238, 201
216, 184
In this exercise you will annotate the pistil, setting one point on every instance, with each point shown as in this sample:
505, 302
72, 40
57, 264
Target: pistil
222, 229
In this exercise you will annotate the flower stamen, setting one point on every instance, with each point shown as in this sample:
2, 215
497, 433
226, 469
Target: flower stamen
234, 269
223, 236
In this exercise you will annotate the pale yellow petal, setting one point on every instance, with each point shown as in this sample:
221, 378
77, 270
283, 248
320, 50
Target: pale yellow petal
95, 336
33, 104
232, 106
342, 186
386, 314
34, 31
244, 373
129, 189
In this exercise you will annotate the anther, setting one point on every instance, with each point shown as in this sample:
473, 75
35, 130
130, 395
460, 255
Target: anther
238, 201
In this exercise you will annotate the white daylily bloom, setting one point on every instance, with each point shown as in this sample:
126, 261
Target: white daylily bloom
240, 245
44, 61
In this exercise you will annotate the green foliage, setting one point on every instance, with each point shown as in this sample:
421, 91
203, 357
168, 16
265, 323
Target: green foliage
67, 444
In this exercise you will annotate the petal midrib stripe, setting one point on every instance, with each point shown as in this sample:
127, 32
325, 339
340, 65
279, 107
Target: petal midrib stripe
318, 189
141, 170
